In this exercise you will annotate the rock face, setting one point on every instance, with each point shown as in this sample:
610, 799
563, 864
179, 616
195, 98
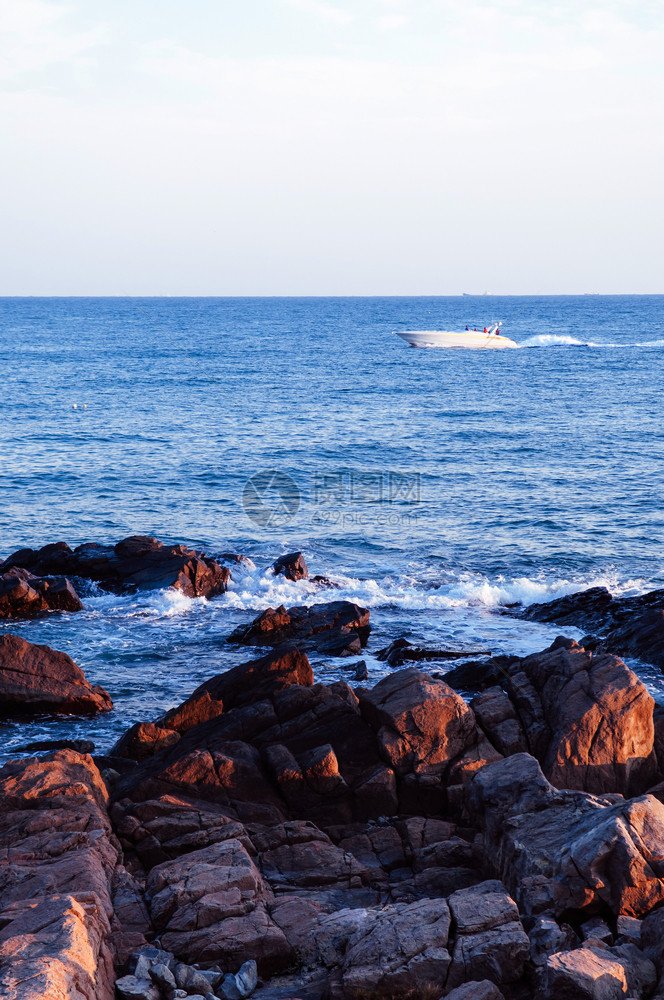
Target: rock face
136, 563
292, 566
559, 851
57, 857
354, 844
587, 718
41, 679
339, 628
24, 595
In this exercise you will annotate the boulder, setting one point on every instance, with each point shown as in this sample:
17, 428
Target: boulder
56, 947
211, 906
427, 735
24, 595
339, 628
490, 941
595, 973
587, 718
248, 682
40, 679
143, 740
136, 563
292, 566
559, 851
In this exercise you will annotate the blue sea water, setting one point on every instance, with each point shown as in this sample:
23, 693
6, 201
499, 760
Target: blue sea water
433, 486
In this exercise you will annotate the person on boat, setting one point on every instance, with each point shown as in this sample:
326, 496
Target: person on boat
485, 330
467, 328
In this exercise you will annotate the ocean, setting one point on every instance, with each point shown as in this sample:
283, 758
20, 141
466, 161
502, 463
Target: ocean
434, 487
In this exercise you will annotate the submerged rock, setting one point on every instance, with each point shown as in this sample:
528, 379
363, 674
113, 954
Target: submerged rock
40, 679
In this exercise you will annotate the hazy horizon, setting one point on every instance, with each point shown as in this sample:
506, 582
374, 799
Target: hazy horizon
314, 148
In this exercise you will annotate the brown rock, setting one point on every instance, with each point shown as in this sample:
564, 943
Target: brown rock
41, 679
339, 628
292, 566
143, 740
211, 907
57, 857
248, 682
423, 725
587, 718
136, 563
56, 949
23, 595
562, 850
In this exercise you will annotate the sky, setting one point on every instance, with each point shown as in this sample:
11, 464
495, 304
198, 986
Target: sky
331, 147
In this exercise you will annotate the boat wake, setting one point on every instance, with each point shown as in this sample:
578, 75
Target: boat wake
564, 340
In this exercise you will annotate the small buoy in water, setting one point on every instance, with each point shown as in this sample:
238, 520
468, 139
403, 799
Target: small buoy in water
85, 406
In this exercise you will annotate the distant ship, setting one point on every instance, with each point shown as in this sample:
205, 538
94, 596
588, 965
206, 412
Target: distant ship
476, 294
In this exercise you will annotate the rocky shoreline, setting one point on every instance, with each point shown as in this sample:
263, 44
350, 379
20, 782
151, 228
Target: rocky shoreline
282, 838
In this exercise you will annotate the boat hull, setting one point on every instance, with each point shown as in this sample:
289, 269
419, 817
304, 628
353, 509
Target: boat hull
449, 338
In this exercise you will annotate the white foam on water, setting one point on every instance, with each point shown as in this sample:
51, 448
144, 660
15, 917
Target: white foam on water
556, 340
256, 592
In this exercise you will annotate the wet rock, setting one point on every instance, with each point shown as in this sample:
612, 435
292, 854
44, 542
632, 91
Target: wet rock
642, 636
143, 740
627, 626
339, 628
49, 746
136, 563
558, 851
24, 595
292, 566
402, 651
40, 679
246, 683
587, 609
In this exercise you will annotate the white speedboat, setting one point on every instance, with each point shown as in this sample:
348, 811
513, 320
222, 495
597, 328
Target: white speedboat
486, 339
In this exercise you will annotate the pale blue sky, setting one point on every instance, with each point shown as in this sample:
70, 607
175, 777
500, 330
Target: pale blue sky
331, 147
